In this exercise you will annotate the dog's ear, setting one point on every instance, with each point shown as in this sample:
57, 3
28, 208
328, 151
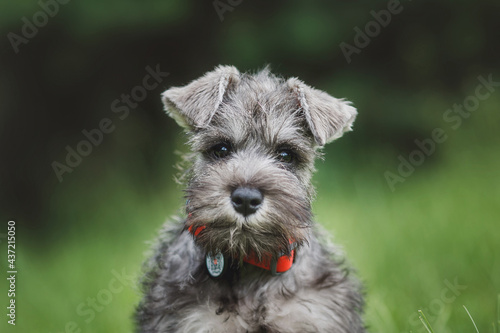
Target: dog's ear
327, 117
194, 105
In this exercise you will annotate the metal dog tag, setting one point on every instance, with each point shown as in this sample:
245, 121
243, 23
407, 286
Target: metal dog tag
215, 264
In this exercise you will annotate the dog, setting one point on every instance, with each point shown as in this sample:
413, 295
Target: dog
247, 256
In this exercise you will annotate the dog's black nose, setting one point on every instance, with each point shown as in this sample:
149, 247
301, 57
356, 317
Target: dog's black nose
246, 200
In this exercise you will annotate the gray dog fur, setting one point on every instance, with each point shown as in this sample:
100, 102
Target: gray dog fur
258, 118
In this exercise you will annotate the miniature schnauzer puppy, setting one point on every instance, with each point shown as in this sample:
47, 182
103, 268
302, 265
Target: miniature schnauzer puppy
248, 257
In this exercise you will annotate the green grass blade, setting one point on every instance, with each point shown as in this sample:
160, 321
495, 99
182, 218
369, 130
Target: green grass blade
471, 318
425, 322
498, 312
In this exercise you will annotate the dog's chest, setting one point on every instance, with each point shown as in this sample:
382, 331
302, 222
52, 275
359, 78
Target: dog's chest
264, 309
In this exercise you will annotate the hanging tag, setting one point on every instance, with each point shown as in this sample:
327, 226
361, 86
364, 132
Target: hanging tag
215, 264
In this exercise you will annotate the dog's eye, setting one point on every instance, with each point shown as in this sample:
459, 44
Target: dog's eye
220, 150
286, 156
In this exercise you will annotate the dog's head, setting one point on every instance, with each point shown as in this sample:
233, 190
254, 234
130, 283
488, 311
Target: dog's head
255, 138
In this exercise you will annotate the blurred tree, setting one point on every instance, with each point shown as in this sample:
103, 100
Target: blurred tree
87, 54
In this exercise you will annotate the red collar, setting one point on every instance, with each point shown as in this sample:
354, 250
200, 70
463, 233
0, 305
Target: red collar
277, 266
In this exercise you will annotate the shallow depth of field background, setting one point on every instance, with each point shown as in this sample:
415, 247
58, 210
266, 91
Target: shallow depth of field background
439, 227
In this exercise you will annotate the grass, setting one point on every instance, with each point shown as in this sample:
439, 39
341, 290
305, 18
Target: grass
424, 321
437, 228
429, 329
408, 246
473, 322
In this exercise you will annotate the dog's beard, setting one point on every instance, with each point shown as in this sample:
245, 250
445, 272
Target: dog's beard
268, 232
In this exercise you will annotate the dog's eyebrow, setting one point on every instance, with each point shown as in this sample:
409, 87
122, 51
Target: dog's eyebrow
290, 138
290, 145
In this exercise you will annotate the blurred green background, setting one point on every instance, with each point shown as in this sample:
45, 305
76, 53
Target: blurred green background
80, 242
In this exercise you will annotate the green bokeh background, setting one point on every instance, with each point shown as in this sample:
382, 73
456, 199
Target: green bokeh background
441, 224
